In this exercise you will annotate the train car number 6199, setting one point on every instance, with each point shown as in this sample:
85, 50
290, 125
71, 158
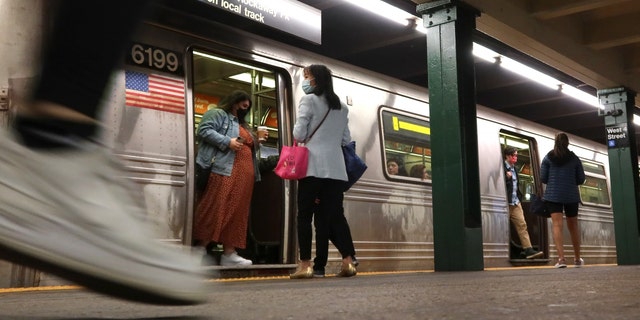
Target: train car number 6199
147, 56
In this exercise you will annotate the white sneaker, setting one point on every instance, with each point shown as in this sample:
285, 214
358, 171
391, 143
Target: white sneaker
560, 264
69, 213
234, 260
578, 263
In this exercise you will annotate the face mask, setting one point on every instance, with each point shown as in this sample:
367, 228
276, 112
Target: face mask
242, 113
307, 87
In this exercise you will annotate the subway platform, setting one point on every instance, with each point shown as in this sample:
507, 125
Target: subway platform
591, 292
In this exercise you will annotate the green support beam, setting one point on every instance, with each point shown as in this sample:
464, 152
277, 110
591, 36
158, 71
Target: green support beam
618, 110
457, 220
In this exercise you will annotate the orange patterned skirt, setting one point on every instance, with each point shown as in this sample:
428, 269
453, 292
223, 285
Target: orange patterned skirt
222, 214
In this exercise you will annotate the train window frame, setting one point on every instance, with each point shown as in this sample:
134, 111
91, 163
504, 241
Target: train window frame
600, 174
406, 142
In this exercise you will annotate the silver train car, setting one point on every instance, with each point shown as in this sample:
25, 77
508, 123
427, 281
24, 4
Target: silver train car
179, 65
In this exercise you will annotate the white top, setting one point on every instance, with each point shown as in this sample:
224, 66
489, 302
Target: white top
325, 147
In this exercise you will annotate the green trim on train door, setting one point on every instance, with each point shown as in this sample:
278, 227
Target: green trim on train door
618, 110
457, 223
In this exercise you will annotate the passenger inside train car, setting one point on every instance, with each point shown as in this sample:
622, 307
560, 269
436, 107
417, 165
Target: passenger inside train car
214, 78
394, 167
419, 171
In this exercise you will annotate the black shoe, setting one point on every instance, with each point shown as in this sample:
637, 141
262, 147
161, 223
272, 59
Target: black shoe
354, 261
318, 273
532, 254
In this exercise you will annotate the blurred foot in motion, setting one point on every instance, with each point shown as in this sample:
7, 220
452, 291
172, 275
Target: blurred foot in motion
64, 206
69, 212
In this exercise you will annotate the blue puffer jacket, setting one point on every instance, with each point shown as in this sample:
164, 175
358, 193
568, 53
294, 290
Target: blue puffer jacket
562, 177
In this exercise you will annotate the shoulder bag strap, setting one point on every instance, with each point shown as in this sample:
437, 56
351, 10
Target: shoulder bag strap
316, 129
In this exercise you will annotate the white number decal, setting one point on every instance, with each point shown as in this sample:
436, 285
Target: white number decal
137, 54
154, 58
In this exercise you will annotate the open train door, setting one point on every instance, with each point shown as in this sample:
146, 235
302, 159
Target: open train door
213, 78
528, 168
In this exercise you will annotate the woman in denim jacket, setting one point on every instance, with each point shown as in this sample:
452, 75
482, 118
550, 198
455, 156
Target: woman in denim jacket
229, 147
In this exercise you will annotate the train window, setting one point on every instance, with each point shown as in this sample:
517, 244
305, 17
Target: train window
215, 77
595, 189
526, 180
406, 139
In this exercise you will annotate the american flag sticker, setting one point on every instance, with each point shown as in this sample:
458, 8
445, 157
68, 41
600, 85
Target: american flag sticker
154, 91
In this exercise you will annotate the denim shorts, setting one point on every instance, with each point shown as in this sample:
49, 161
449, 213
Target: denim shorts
569, 209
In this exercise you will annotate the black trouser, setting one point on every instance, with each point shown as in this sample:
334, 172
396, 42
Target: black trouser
324, 198
88, 42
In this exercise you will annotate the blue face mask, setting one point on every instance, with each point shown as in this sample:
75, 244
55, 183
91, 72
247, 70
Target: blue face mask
307, 87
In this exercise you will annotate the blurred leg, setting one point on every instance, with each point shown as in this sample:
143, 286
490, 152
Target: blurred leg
338, 225
86, 44
556, 219
321, 224
306, 204
516, 215
574, 231
63, 207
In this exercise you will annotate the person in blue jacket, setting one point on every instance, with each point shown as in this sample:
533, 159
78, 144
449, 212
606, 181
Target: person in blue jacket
562, 172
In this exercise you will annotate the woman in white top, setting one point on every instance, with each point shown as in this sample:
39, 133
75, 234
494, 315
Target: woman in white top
324, 118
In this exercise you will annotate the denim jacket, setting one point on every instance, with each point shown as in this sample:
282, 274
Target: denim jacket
214, 134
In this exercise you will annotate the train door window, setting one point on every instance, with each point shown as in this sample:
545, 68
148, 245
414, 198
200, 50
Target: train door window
526, 180
215, 77
406, 140
594, 190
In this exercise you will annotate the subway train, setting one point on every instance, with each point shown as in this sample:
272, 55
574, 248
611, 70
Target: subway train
180, 65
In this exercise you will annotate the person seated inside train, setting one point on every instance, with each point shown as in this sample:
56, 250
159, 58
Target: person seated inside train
419, 171
395, 166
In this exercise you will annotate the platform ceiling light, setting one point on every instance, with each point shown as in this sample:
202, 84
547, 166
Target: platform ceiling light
384, 10
534, 75
390, 12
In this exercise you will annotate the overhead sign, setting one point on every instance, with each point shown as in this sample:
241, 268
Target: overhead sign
287, 15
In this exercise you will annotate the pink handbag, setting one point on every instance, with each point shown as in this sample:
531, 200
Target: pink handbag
293, 162
294, 159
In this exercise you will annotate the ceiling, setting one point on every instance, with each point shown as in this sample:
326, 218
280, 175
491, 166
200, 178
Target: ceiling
590, 44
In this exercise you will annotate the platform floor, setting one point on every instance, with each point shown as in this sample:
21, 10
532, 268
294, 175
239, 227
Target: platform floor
592, 292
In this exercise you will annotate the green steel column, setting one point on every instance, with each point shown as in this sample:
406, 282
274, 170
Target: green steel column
618, 109
457, 227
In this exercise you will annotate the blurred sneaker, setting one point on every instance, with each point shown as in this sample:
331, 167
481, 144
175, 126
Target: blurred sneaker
579, 263
233, 260
355, 261
318, 273
530, 253
560, 264
71, 214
